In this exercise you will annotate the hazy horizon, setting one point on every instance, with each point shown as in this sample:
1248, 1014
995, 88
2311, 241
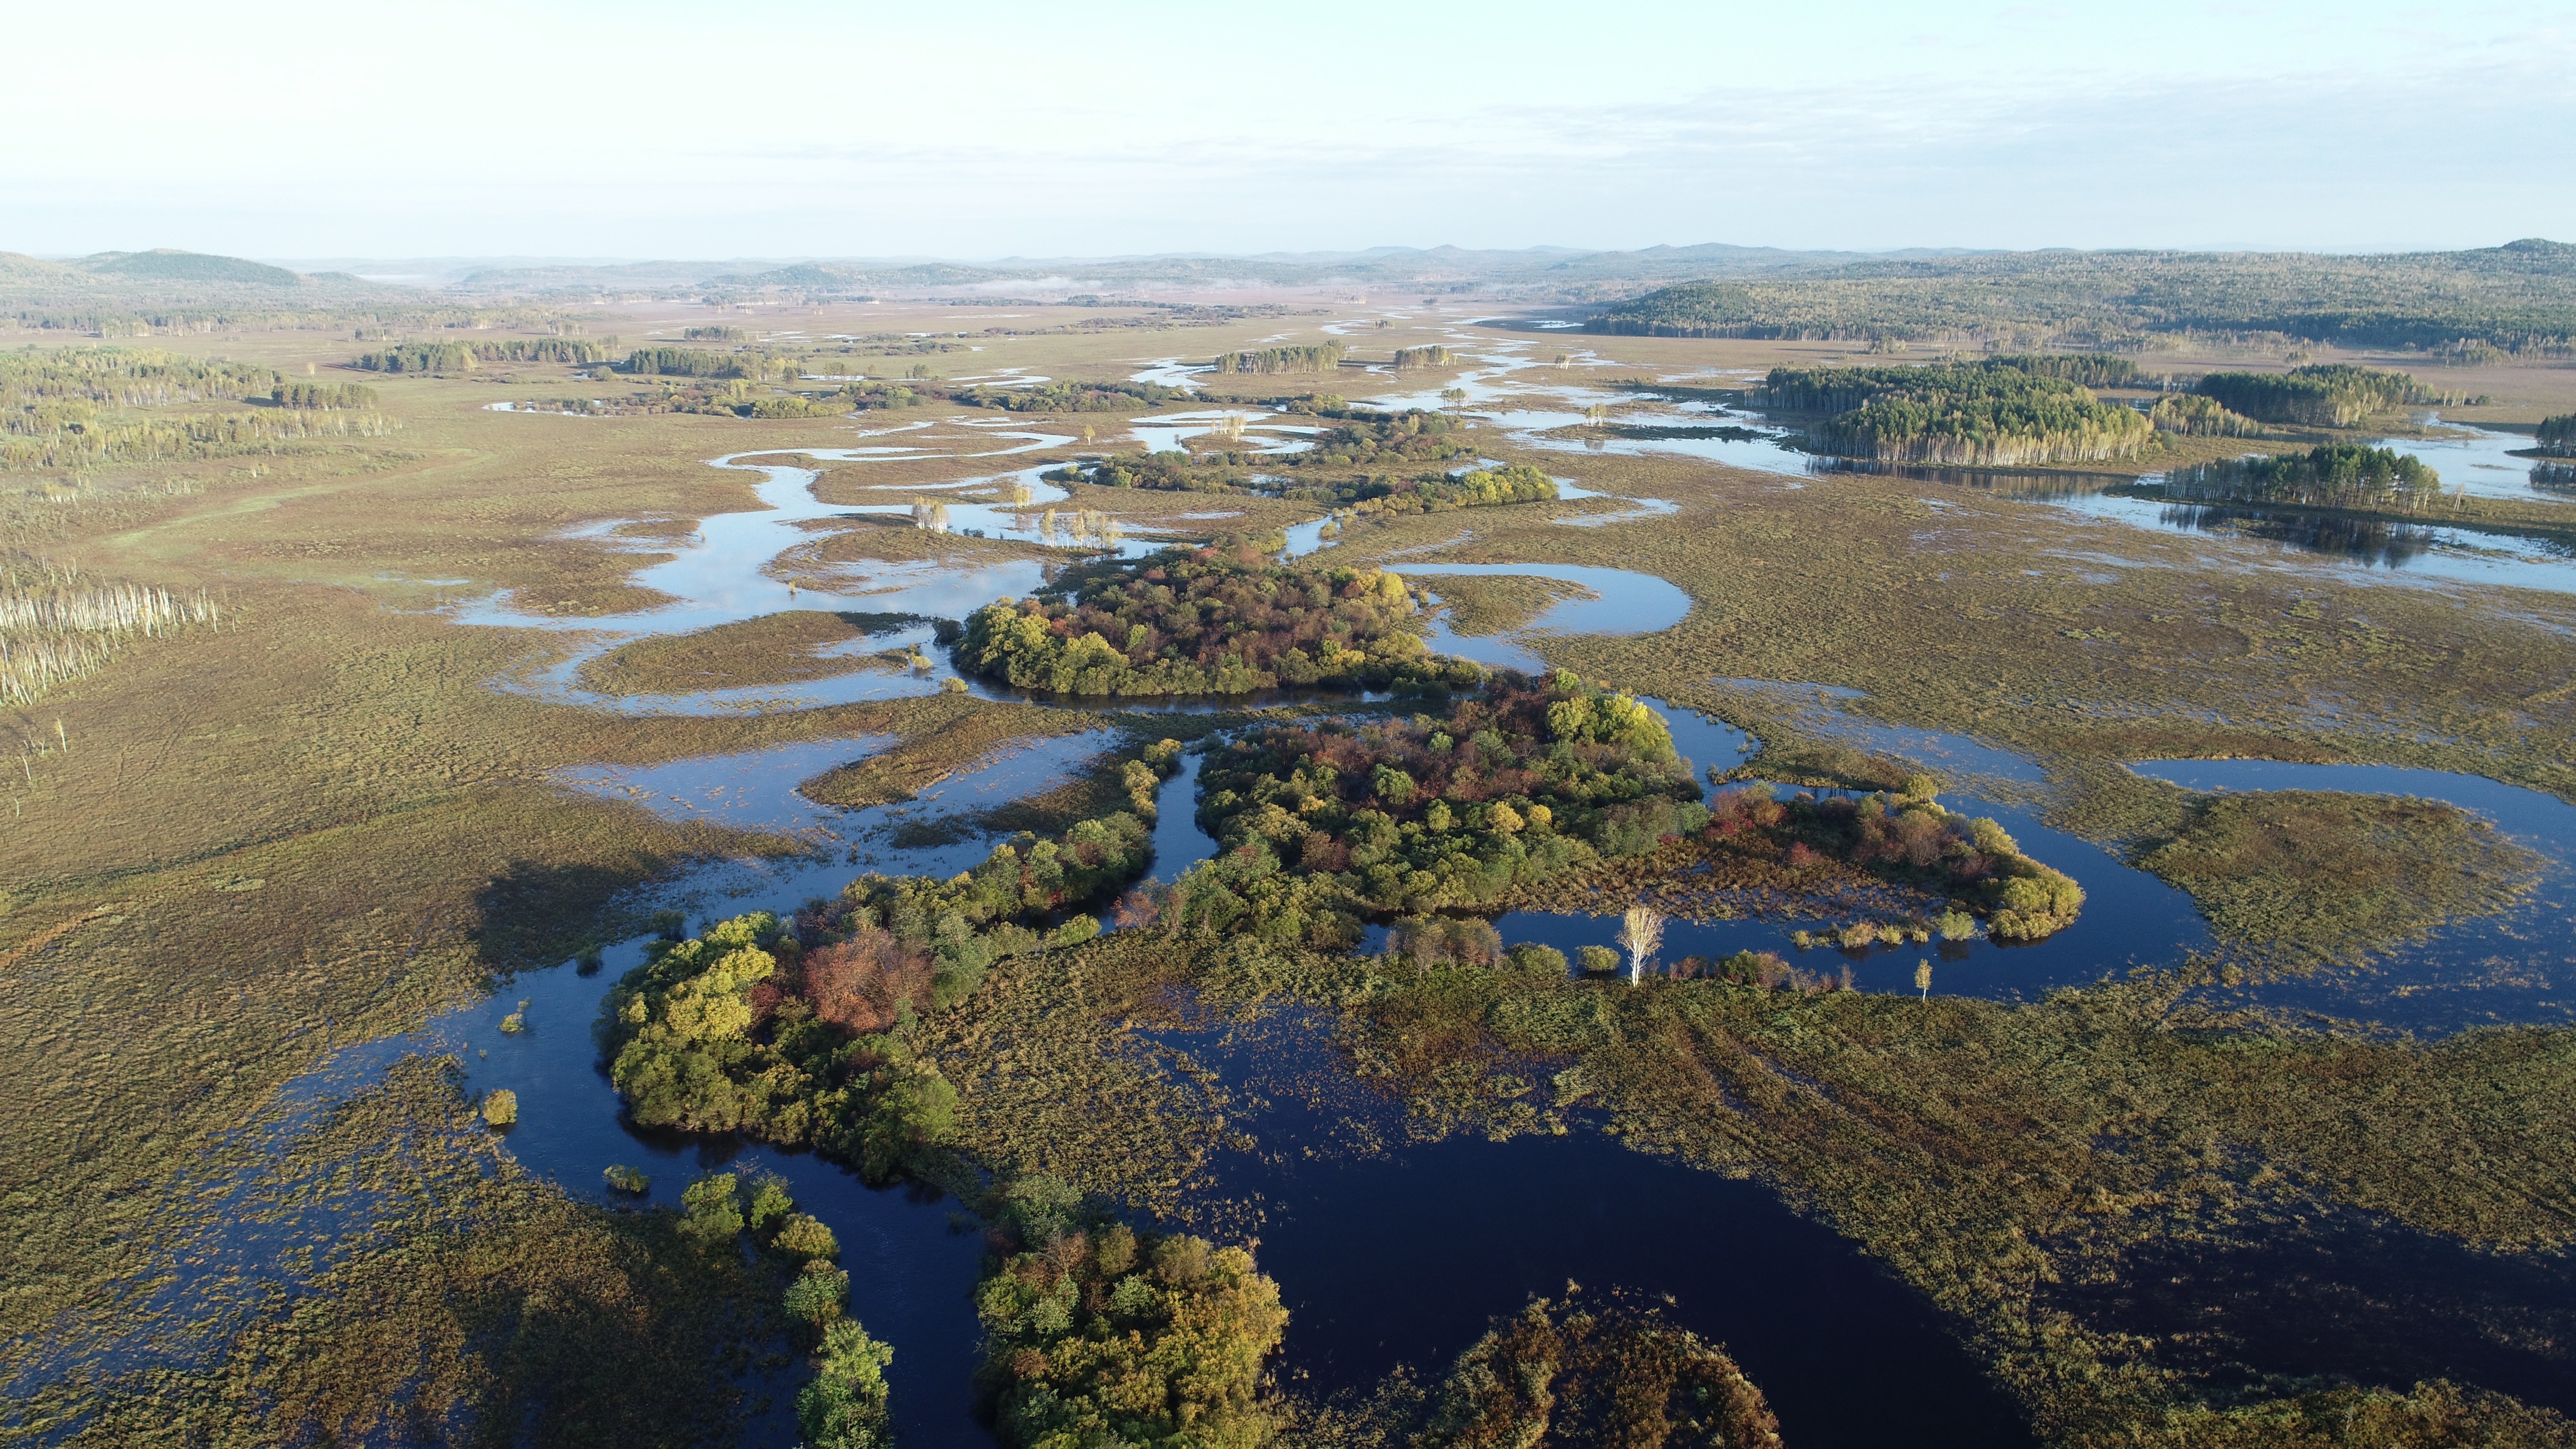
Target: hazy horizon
586, 130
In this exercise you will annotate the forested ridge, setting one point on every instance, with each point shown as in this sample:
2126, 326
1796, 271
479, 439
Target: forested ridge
2520, 298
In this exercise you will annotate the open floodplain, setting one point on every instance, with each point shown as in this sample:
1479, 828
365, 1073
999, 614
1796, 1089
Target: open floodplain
359, 1088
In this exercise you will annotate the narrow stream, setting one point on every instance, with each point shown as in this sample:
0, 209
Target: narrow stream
1382, 1260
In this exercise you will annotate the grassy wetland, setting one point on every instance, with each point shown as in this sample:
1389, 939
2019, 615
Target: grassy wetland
329, 804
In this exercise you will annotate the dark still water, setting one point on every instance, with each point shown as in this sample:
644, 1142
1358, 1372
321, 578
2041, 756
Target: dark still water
1407, 1259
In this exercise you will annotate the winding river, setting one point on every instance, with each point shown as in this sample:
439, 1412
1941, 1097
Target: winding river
1383, 1260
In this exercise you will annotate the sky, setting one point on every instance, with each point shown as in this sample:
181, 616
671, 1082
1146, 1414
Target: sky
642, 129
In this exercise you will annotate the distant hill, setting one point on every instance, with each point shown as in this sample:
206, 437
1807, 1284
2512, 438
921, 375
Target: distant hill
178, 266
2518, 297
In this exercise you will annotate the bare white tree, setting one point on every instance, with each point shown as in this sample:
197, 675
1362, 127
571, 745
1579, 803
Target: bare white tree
1642, 933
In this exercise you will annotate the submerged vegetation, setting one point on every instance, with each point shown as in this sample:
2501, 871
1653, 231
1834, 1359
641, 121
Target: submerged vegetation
2007, 410
1208, 621
2314, 876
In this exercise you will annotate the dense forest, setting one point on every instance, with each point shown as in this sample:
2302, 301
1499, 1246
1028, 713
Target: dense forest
1325, 826
2557, 436
2335, 475
2195, 416
698, 362
1165, 472
466, 356
2516, 299
2004, 410
1071, 397
1231, 472
1408, 359
84, 407
1215, 620
2334, 395
1323, 358
323, 396
789, 1032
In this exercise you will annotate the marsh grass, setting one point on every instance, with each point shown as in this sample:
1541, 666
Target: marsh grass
781, 648
338, 743
2310, 876
464, 1301
1501, 603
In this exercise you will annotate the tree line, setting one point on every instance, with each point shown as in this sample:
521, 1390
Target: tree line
2334, 475
1321, 358
437, 357
2331, 395
2514, 299
91, 407
2003, 410
323, 396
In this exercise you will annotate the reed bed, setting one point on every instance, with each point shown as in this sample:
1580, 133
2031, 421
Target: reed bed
52, 637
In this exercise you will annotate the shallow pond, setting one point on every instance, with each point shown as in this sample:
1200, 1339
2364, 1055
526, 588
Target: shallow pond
2482, 461
2363, 548
1404, 1258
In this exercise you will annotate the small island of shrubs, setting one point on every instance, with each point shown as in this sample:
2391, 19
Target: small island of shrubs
1216, 620
1097, 1335
793, 1034
1324, 827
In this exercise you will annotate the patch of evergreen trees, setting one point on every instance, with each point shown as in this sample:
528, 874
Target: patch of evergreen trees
2331, 395
322, 396
1322, 358
465, 356
2336, 475
2003, 410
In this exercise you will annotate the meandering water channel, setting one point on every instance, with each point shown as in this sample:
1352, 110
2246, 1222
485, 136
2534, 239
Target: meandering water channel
1390, 1259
